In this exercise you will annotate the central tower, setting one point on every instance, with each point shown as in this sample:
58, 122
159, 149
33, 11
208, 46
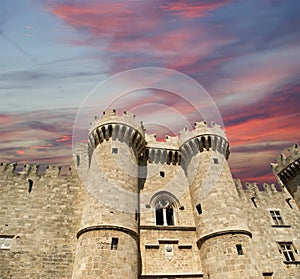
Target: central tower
108, 240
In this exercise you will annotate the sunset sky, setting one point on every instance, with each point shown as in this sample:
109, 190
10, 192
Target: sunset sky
246, 54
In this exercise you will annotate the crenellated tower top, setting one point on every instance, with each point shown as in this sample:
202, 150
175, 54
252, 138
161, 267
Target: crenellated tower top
111, 117
203, 138
124, 128
287, 167
201, 128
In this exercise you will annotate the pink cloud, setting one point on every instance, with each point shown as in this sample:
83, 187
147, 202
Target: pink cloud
103, 18
263, 130
64, 138
41, 147
133, 32
192, 10
254, 76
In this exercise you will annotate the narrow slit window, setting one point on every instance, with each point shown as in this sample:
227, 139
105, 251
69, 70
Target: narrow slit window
114, 150
30, 184
239, 249
77, 160
254, 202
162, 174
289, 202
114, 243
199, 208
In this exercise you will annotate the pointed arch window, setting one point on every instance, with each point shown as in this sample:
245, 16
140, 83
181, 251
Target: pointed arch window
165, 205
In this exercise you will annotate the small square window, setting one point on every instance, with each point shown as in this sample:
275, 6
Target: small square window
5, 242
114, 150
277, 219
216, 161
162, 173
288, 250
114, 243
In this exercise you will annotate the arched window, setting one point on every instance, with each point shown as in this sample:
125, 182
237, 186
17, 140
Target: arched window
164, 204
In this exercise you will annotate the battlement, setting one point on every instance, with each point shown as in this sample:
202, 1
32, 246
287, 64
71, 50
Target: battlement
282, 161
111, 117
25, 170
201, 129
257, 188
287, 167
124, 127
169, 143
203, 138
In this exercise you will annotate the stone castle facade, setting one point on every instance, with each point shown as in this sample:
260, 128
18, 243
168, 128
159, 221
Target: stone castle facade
132, 207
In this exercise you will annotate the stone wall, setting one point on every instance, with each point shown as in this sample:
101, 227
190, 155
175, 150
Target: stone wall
258, 201
41, 212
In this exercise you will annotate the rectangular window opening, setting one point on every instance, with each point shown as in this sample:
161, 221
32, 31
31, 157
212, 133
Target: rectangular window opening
30, 184
216, 161
159, 216
239, 249
267, 274
199, 208
287, 249
162, 173
114, 243
277, 219
114, 150
169, 216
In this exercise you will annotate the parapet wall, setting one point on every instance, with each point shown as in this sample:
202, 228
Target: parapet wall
256, 187
15, 169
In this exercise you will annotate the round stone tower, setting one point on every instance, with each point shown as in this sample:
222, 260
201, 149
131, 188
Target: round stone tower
223, 236
108, 241
287, 171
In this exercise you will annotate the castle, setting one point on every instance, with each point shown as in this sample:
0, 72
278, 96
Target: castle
134, 207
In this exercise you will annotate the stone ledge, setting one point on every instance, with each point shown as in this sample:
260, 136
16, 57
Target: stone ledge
292, 262
108, 227
281, 226
168, 228
219, 233
155, 276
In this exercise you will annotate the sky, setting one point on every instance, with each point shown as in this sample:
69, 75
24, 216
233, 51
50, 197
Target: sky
245, 54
